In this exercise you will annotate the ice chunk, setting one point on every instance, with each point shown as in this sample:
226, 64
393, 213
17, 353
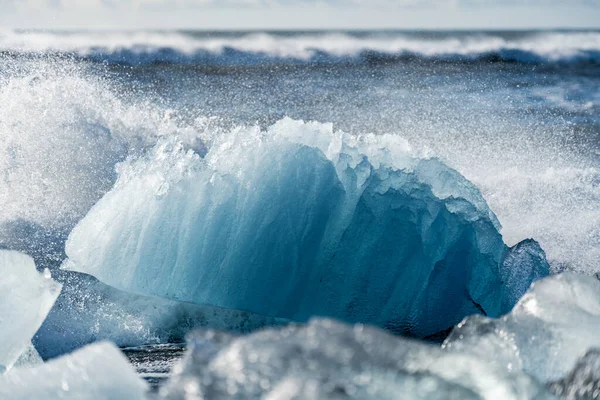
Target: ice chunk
583, 382
554, 323
27, 297
356, 228
524, 264
89, 311
327, 359
380, 388
95, 372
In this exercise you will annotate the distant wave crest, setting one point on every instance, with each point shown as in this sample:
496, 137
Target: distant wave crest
319, 47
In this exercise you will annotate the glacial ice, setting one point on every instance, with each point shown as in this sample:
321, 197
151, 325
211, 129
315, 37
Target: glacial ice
328, 359
88, 310
27, 298
525, 263
553, 324
583, 382
361, 229
96, 372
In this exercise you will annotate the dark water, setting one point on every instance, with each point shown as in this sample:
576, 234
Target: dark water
154, 363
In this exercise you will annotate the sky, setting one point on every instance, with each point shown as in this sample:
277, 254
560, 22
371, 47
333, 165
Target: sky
298, 14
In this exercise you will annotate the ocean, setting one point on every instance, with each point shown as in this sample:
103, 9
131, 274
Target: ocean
516, 113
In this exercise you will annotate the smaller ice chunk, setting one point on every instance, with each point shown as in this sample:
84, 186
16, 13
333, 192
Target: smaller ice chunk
328, 359
27, 298
583, 382
524, 264
99, 371
553, 324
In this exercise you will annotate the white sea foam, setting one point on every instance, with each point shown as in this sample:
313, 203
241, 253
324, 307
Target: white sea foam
557, 206
61, 133
173, 46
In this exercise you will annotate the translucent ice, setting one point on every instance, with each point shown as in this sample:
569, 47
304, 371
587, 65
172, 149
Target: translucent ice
583, 382
27, 297
554, 323
524, 264
88, 310
95, 372
327, 359
357, 228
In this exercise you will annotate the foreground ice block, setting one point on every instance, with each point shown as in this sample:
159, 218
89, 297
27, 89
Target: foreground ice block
96, 372
26, 297
583, 382
300, 220
555, 323
327, 359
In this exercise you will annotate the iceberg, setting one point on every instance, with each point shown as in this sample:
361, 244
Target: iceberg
328, 359
98, 371
301, 220
27, 298
555, 322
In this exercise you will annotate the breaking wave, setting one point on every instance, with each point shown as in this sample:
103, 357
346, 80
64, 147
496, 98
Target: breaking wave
322, 47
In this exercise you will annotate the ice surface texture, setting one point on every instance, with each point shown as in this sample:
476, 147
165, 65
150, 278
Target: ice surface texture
556, 322
300, 220
26, 298
327, 359
583, 382
96, 372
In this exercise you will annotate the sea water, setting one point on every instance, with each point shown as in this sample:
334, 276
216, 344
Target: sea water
515, 113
